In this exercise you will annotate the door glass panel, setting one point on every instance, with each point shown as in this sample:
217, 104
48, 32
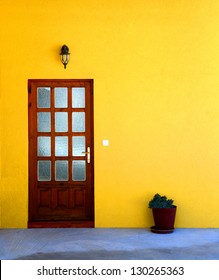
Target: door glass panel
78, 97
61, 122
61, 97
78, 122
44, 170
61, 146
44, 146
61, 170
43, 97
79, 170
78, 145
44, 122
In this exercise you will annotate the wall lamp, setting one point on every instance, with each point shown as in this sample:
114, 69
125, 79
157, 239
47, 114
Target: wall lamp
65, 55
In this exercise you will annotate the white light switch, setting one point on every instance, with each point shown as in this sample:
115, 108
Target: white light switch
105, 142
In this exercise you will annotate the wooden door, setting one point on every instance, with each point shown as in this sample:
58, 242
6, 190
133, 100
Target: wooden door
61, 154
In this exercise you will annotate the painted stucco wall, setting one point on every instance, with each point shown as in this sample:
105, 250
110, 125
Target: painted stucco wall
155, 66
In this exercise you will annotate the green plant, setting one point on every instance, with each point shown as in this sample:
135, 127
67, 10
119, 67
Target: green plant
159, 201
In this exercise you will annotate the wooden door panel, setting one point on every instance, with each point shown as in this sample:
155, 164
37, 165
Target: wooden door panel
44, 198
79, 198
61, 157
61, 204
62, 199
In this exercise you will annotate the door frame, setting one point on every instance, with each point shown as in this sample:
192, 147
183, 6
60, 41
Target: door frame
68, 223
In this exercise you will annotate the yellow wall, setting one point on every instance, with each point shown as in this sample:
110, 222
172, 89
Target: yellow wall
155, 66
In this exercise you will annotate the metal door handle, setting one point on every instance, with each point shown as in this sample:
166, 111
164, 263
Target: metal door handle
88, 154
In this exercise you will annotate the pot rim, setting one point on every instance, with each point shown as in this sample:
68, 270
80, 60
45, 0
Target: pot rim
174, 207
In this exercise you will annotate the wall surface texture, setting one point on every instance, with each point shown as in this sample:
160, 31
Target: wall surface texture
155, 66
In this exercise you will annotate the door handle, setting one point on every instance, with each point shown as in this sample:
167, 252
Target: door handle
87, 153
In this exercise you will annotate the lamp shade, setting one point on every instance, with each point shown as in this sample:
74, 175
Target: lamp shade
65, 55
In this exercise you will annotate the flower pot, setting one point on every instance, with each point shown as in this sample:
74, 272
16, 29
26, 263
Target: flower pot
164, 218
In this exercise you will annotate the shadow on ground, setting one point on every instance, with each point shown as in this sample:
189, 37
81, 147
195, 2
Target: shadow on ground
190, 253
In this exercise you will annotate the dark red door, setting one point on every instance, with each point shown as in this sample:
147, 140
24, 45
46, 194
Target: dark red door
61, 154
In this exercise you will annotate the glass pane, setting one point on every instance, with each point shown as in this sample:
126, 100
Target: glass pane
61, 97
78, 145
44, 170
78, 97
78, 122
79, 170
44, 146
43, 97
61, 146
61, 122
44, 122
61, 173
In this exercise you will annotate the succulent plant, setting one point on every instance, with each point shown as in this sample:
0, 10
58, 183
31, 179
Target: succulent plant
159, 201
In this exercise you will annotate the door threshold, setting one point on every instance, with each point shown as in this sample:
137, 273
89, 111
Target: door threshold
61, 224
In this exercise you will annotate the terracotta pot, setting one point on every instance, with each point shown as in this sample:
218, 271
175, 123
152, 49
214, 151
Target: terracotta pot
164, 218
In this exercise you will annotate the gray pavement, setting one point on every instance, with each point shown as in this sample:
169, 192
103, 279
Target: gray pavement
108, 244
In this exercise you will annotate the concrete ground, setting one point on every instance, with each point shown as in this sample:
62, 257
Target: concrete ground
108, 244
